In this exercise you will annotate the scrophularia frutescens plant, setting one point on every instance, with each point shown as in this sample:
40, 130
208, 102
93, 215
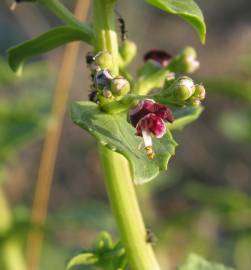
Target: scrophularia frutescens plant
131, 117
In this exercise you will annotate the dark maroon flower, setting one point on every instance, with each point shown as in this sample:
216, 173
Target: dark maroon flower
147, 106
149, 118
159, 57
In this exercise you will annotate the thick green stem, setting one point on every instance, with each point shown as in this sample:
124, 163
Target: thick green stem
116, 168
11, 252
126, 210
105, 34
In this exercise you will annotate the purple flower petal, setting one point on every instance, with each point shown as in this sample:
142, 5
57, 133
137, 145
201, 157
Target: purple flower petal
152, 124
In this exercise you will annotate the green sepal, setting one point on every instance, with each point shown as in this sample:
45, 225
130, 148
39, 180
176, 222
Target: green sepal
186, 9
44, 43
114, 132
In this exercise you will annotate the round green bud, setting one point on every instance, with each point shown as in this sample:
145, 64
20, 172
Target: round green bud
127, 51
200, 92
193, 101
120, 86
183, 88
104, 60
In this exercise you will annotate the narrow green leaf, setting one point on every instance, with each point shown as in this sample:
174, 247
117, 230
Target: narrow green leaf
117, 134
187, 9
44, 43
184, 116
83, 259
195, 262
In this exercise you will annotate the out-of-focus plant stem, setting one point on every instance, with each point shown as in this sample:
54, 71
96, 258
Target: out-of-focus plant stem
50, 148
117, 173
11, 252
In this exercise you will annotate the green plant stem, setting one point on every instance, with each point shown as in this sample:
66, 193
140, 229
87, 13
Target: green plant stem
126, 210
104, 27
11, 253
118, 179
64, 14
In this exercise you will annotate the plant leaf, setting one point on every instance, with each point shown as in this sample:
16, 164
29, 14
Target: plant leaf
83, 259
187, 9
117, 134
44, 43
195, 262
184, 116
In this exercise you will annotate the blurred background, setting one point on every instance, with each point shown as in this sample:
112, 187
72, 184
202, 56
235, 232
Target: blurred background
202, 204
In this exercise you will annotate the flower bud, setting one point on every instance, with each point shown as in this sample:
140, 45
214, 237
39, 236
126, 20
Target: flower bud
103, 78
104, 60
200, 92
128, 51
189, 63
120, 86
183, 88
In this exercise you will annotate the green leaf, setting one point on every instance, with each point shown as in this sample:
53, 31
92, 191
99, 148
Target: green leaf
117, 134
83, 259
195, 262
104, 255
44, 43
184, 116
187, 9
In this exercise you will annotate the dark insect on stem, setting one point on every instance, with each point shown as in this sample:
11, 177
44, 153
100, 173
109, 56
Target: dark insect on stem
122, 27
90, 61
150, 236
89, 58
93, 96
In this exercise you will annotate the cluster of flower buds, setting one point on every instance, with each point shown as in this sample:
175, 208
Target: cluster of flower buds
149, 117
184, 91
105, 84
186, 62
